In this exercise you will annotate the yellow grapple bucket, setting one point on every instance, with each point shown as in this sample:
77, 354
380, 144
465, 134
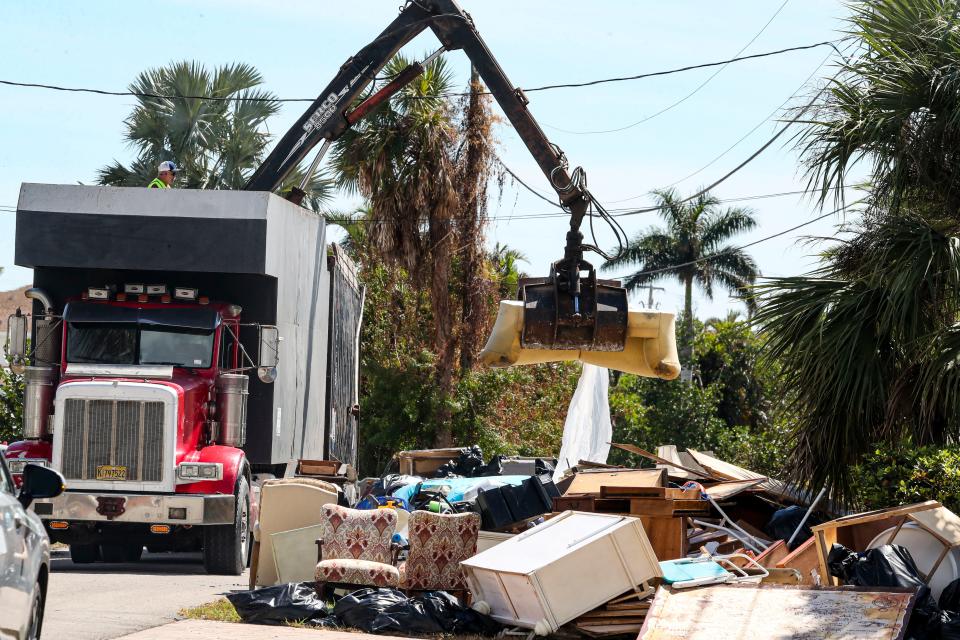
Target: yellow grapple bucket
649, 347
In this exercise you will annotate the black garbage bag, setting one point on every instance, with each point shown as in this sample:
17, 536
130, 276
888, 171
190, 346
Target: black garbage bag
950, 597
290, 602
389, 611
469, 464
891, 566
386, 485
785, 521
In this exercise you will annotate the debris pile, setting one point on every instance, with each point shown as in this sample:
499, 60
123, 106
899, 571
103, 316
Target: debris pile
691, 547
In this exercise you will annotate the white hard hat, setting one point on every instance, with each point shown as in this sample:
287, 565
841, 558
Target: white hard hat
167, 165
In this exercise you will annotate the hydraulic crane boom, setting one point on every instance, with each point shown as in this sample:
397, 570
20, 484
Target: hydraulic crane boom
570, 309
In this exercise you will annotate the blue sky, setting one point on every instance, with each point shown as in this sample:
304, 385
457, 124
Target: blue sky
299, 44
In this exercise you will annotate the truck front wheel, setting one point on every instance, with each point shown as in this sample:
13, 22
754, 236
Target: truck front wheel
84, 553
226, 547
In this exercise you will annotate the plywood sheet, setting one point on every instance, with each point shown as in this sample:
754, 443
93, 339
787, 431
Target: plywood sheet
762, 612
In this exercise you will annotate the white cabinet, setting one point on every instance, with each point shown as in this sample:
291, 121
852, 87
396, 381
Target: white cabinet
559, 570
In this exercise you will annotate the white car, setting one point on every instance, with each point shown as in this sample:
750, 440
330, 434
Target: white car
24, 551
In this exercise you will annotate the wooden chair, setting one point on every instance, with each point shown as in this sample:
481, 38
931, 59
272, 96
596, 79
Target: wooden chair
356, 548
438, 542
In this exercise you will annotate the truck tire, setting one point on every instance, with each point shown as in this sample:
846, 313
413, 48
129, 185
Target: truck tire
121, 552
84, 553
226, 548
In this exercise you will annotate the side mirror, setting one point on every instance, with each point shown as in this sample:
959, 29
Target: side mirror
269, 355
39, 482
17, 341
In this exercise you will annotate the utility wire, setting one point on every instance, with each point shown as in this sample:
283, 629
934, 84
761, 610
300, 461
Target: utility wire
138, 94
652, 272
686, 97
559, 214
747, 134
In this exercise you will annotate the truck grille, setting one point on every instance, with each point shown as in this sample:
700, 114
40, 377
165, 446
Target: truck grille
123, 433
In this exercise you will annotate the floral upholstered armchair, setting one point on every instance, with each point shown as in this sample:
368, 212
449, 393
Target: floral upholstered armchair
438, 542
355, 548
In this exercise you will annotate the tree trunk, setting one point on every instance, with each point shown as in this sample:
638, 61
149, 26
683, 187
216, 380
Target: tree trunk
473, 183
687, 356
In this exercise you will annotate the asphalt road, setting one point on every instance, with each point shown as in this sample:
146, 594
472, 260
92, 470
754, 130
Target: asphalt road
99, 601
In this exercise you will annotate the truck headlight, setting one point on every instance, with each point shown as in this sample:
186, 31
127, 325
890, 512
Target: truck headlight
197, 471
16, 465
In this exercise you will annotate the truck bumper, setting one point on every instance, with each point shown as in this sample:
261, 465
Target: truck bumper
148, 509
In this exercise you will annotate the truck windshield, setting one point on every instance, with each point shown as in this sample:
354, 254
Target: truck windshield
111, 343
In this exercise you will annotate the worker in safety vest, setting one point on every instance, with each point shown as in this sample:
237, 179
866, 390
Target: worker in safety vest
166, 173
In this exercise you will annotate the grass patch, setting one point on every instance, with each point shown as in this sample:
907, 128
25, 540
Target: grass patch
219, 610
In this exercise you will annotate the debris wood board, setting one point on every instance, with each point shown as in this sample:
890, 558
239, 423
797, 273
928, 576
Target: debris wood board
726, 490
630, 448
773, 554
668, 536
806, 560
590, 482
649, 492
768, 612
683, 466
668, 508
728, 471
423, 462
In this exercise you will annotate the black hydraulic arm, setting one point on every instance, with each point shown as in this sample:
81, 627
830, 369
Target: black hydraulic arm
328, 118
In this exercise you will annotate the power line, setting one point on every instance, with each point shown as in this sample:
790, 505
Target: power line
652, 272
689, 95
158, 96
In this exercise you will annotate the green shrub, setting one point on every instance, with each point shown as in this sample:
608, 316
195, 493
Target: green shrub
906, 474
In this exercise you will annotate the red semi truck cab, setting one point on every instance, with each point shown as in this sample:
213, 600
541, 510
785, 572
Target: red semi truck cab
149, 417
182, 344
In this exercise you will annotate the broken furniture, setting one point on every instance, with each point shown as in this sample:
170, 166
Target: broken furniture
285, 504
708, 569
490, 539
424, 462
510, 505
355, 548
772, 612
641, 493
928, 530
561, 569
438, 543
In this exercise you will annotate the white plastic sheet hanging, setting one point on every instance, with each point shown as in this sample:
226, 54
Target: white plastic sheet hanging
587, 431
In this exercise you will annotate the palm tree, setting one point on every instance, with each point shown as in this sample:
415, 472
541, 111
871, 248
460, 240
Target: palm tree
692, 249
402, 159
211, 123
895, 104
866, 345
505, 262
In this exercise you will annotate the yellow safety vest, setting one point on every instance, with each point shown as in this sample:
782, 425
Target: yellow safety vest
158, 184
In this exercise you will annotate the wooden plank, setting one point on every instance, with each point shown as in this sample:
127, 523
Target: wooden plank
573, 503
612, 630
667, 535
726, 490
680, 463
879, 514
729, 471
941, 522
670, 493
664, 507
773, 554
590, 482
804, 559
630, 448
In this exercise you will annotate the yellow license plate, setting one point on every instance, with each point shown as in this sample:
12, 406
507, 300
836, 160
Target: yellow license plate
111, 472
